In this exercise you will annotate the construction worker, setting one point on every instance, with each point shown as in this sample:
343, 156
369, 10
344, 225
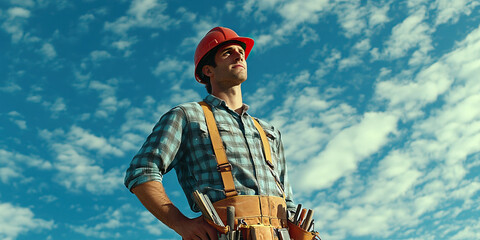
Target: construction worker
181, 140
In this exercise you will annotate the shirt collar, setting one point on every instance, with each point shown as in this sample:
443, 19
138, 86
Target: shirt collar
217, 102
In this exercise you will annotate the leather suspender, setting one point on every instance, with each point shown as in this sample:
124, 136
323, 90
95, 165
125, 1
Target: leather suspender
223, 166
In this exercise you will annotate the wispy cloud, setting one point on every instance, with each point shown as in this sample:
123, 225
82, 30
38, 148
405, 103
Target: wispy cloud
78, 155
345, 150
16, 220
108, 222
412, 33
453, 10
429, 173
48, 51
14, 20
13, 164
142, 14
109, 103
18, 119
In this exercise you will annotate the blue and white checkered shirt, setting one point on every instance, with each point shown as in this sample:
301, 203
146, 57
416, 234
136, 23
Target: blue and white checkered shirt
180, 141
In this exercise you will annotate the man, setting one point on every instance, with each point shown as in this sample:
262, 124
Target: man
181, 140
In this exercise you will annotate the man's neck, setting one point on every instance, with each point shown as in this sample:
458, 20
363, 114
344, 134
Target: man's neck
232, 97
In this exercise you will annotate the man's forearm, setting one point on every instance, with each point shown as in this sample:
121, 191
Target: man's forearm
154, 198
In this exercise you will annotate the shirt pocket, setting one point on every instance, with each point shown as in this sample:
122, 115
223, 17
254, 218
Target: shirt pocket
199, 135
230, 137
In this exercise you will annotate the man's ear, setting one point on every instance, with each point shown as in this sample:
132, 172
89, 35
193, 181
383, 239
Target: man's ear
207, 70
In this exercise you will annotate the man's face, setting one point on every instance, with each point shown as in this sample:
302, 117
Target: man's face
231, 66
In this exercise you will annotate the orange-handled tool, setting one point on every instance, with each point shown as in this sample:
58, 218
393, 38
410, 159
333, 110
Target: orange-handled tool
302, 216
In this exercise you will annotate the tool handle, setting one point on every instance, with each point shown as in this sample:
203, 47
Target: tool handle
302, 216
308, 220
231, 217
295, 217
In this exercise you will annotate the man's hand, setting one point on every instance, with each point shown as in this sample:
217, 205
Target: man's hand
197, 228
153, 197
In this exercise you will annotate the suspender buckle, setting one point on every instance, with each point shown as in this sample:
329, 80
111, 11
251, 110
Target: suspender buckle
225, 167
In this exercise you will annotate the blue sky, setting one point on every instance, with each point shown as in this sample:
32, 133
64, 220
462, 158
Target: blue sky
377, 102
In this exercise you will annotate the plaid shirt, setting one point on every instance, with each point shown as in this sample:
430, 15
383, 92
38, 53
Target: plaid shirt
180, 141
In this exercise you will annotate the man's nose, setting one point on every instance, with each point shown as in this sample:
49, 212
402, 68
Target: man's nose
239, 56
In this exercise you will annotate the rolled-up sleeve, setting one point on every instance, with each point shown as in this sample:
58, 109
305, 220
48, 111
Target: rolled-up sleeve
160, 152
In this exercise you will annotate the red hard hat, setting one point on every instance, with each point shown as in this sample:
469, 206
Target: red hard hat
215, 37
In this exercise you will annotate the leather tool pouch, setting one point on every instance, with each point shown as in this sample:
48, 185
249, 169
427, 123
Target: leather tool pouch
259, 232
251, 232
297, 233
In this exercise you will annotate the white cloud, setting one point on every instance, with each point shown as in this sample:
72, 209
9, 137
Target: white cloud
14, 20
412, 33
57, 106
22, 124
407, 97
142, 14
23, 3
151, 224
351, 16
12, 164
343, 153
302, 78
452, 10
378, 15
107, 224
18, 119
48, 51
259, 99
179, 96
200, 28
10, 86
354, 18
425, 179
112, 220
351, 61
170, 65
77, 171
84, 22
18, 12
109, 103
258, 8
84, 139
311, 114
7, 173
99, 55
79, 156
297, 12
328, 63
293, 15
15, 220
138, 119
123, 44
357, 52
470, 231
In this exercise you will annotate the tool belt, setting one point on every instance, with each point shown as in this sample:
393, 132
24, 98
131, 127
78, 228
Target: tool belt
256, 217
260, 217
